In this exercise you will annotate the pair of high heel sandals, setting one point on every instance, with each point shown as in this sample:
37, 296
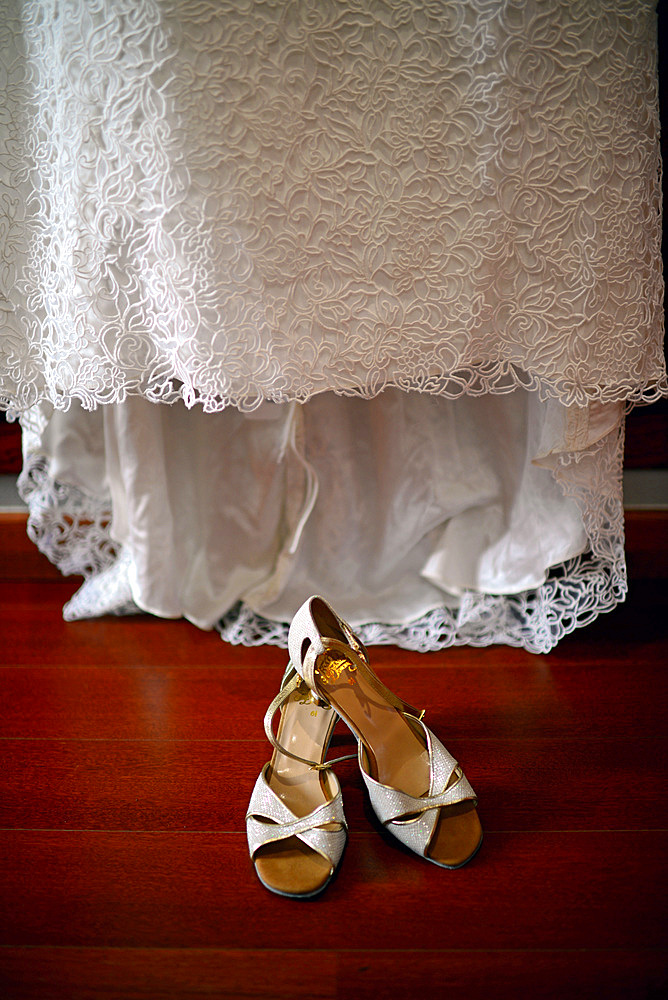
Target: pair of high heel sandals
295, 823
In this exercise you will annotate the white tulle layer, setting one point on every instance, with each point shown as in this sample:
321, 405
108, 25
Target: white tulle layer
425, 521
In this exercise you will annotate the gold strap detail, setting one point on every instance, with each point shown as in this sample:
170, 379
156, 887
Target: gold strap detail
291, 682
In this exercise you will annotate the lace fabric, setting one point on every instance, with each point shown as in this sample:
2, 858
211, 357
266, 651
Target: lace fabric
228, 203
67, 525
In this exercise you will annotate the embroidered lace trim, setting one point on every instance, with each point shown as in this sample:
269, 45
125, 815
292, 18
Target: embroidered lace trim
71, 528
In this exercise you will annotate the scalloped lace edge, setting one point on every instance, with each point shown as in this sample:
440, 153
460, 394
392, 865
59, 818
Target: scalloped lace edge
71, 528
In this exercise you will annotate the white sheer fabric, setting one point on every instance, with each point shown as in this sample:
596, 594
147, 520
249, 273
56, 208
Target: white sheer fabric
404, 257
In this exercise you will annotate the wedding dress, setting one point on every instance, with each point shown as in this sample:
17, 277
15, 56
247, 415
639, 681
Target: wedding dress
393, 265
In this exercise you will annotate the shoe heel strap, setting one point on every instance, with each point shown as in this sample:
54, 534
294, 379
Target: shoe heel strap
313, 624
317, 624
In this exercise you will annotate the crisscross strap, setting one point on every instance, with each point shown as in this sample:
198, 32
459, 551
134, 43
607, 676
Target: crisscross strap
269, 820
290, 683
392, 806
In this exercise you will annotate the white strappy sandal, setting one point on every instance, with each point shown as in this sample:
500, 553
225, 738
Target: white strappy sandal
416, 788
295, 823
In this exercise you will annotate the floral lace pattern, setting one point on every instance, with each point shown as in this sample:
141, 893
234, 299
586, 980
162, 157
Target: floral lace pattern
574, 595
68, 525
228, 202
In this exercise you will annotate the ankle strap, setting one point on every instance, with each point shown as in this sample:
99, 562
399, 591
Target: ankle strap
291, 682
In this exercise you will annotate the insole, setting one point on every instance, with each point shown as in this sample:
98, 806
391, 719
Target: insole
397, 756
304, 730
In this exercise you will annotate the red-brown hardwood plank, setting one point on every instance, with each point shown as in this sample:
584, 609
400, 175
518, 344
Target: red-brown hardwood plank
531, 699
531, 784
527, 890
501, 975
136, 742
279, 974
21, 559
165, 974
34, 634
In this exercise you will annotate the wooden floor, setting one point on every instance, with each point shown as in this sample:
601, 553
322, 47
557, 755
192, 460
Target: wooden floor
130, 748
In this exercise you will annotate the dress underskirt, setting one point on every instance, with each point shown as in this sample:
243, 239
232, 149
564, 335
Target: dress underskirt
426, 521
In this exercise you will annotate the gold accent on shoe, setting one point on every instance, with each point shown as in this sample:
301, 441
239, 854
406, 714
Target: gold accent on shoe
332, 665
